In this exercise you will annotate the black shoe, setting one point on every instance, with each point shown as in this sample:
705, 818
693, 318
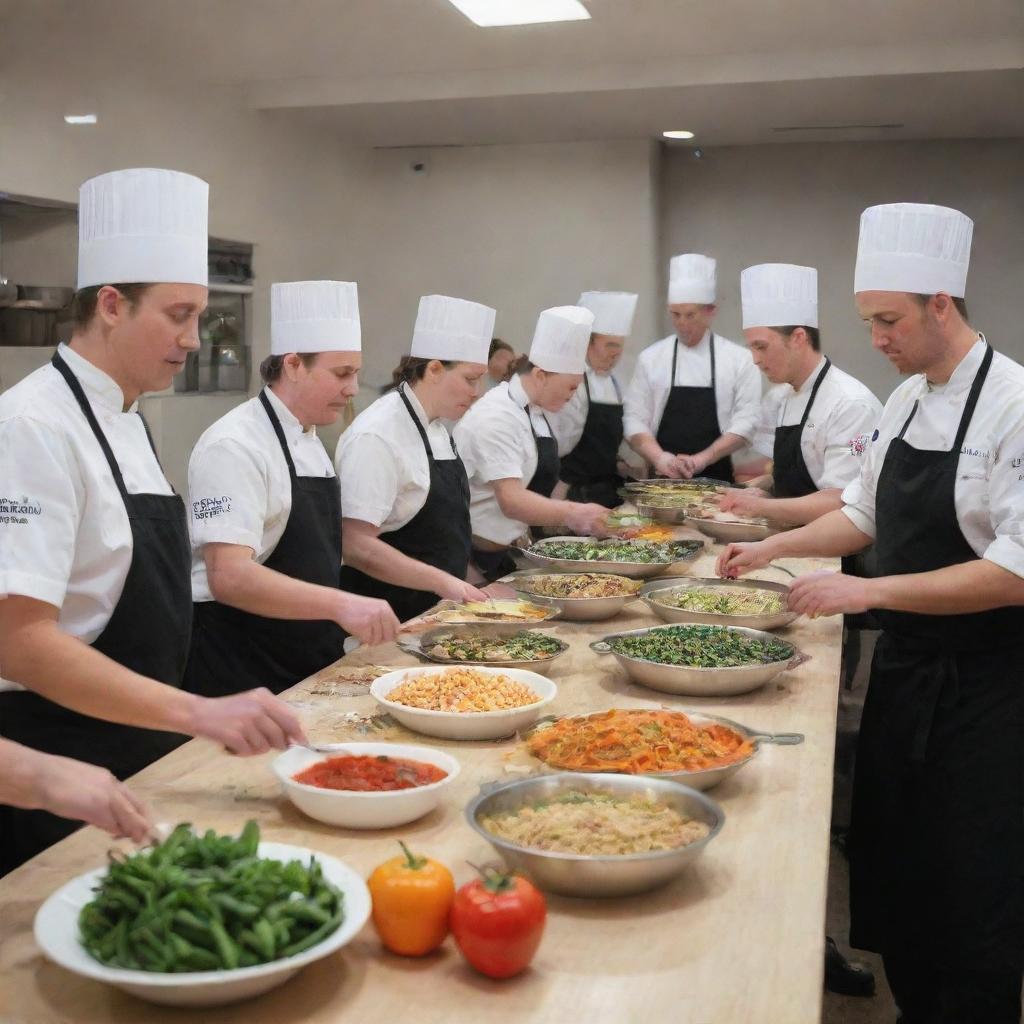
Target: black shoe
846, 977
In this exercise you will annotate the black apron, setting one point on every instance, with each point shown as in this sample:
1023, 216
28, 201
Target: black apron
148, 632
937, 837
438, 535
790, 476
591, 468
689, 423
235, 650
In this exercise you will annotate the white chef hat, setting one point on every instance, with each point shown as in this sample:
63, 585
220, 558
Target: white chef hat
452, 329
913, 247
142, 225
613, 311
779, 295
561, 339
314, 316
691, 278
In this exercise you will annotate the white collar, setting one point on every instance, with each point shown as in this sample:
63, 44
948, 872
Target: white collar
703, 343
417, 405
811, 378
962, 377
518, 393
290, 424
100, 387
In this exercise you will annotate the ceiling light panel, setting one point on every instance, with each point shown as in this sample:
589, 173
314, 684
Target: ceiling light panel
492, 13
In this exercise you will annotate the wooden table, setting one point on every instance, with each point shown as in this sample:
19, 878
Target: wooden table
737, 939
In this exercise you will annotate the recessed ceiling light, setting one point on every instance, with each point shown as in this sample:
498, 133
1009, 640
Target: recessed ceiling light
80, 118
677, 135
490, 13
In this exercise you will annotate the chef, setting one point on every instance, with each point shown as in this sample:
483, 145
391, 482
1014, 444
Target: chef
510, 451
589, 428
405, 493
817, 420
265, 511
695, 397
937, 837
94, 557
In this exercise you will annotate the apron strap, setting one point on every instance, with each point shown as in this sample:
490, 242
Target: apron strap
972, 399
419, 426
711, 345
675, 353
814, 392
276, 424
615, 384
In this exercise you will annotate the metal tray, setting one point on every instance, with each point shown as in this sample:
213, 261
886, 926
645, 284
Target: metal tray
705, 482
732, 532
419, 646
634, 570
668, 614
573, 609
698, 682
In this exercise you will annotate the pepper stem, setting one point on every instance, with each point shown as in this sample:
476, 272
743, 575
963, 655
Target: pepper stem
412, 862
494, 878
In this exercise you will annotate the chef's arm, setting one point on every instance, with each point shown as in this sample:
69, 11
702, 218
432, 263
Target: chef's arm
720, 448
36, 653
518, 502
646, 447
363, 549
976, 586
791, 511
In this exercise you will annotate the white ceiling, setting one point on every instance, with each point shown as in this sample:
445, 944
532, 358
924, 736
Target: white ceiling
416, 72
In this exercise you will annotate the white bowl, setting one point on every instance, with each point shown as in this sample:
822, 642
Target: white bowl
465, 725
56, 933
355, 809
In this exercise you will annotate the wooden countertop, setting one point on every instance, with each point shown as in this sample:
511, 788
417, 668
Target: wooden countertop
738, 938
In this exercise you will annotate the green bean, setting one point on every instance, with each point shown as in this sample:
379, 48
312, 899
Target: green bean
314, 937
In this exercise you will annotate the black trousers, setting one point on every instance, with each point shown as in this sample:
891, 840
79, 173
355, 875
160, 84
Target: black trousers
928, 993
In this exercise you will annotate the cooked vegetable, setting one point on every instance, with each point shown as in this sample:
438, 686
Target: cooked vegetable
646, 552
637, 742
462, 689
205, 903
412, 897
362, 774
596, 824
722, 600
498, 921
701, 647
578, 585
526, 645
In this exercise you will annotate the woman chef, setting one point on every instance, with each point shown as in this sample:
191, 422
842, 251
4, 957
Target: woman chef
695, 398
405, 494
510, 452
93, 540
266, 512
937, 835
589, 428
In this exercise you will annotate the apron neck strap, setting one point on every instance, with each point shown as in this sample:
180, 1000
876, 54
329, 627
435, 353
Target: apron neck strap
814, 391
276, 424
419, 426
529, 418
675, 353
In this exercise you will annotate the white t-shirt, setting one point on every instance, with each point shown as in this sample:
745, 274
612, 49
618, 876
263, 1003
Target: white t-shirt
989, 492
64, 532
569, 421
837, 430
737, 384
496, 443
382, 465
238, 483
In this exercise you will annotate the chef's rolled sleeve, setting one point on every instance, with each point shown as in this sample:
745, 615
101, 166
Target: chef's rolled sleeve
368, 477
746, 408
848, 430
227, 487
1006, 505
498, 453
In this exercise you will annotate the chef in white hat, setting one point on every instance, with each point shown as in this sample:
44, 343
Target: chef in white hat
817, 420
94, 554
589, 428
941, 751
695, 398
265, 511
510, 450
404, 489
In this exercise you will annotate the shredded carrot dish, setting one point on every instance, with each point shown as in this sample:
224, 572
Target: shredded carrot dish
637, 742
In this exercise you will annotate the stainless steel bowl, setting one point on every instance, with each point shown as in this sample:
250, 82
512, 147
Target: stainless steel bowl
574, 609
591, 876
697, 682
634, 570
732, 532
419, 645
676, 515
667, 613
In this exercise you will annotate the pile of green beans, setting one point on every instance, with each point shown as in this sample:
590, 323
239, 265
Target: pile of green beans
206, 903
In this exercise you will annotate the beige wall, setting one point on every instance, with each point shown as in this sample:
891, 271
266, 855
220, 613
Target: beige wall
802, 203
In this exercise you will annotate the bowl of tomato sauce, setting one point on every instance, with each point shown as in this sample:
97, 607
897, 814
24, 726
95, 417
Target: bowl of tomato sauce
366, 785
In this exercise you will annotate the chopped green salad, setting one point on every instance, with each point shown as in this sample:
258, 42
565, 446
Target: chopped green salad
642, 551
701, 647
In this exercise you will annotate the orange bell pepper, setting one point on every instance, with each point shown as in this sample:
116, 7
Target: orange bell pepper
412, 897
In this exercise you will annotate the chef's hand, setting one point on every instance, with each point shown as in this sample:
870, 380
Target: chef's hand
829, 593
669, 465
247, 723
84, 792
738, 559
587, 520
454, 589
696, 464
370, 620
746, 501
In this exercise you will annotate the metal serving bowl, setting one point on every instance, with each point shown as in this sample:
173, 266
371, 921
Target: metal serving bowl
420, 645
675, 514
573, 609
667, 613
703, 483
571, 874
634, 570
733, 531
697, 682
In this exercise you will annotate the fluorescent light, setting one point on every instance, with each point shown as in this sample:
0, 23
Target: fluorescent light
489, 13
80, 118
677, 135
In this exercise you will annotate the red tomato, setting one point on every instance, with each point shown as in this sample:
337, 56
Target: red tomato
498, 921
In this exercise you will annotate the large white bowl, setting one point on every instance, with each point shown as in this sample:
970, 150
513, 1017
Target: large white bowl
353, 809
56, 933
465, 725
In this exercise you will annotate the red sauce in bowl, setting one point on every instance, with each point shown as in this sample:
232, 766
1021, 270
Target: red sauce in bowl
365, 774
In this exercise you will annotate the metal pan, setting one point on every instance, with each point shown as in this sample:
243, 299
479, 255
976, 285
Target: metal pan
420, 646
698, 682
705, 483
573, 609
776, 620
733, 531
676, 515
634, 570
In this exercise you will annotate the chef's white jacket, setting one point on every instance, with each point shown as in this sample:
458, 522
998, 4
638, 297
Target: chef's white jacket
569, 421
